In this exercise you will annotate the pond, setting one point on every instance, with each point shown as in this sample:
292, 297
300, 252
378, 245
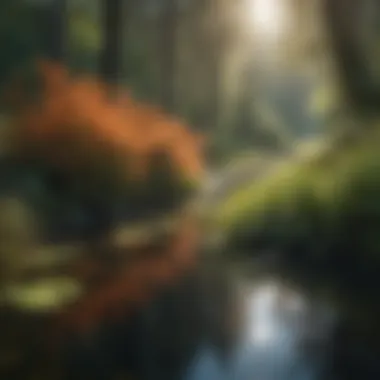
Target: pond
284, 335
279, 332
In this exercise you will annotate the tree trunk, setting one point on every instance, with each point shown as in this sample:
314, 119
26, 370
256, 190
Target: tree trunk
168, 52
111, 57
344, 21
219, 41
56, 30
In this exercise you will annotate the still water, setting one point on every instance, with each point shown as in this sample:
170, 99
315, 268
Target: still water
284, 336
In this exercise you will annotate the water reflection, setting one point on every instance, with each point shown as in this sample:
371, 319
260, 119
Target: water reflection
278, 331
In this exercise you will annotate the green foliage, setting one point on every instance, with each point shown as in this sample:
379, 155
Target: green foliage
83, 32
85, 41
331, 200
324, 100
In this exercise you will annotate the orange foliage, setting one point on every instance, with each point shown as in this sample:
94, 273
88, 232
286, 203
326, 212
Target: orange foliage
77, 125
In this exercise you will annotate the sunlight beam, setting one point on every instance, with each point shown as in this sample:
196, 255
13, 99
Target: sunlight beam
268, 18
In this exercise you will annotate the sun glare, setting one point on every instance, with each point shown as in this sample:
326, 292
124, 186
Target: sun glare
271, 309
267, 18
263, 325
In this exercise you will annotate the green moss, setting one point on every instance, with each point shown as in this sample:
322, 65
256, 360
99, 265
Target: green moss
331, 190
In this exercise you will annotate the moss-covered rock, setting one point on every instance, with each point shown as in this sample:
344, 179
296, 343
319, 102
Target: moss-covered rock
329, 192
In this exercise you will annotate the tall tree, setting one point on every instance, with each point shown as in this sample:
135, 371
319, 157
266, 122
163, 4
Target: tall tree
220, 30
168, 52
349, 28
111, 56
56, 31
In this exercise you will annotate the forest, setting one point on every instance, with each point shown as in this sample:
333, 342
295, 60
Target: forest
160, 160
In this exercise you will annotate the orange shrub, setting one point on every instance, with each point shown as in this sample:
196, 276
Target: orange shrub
76, 126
